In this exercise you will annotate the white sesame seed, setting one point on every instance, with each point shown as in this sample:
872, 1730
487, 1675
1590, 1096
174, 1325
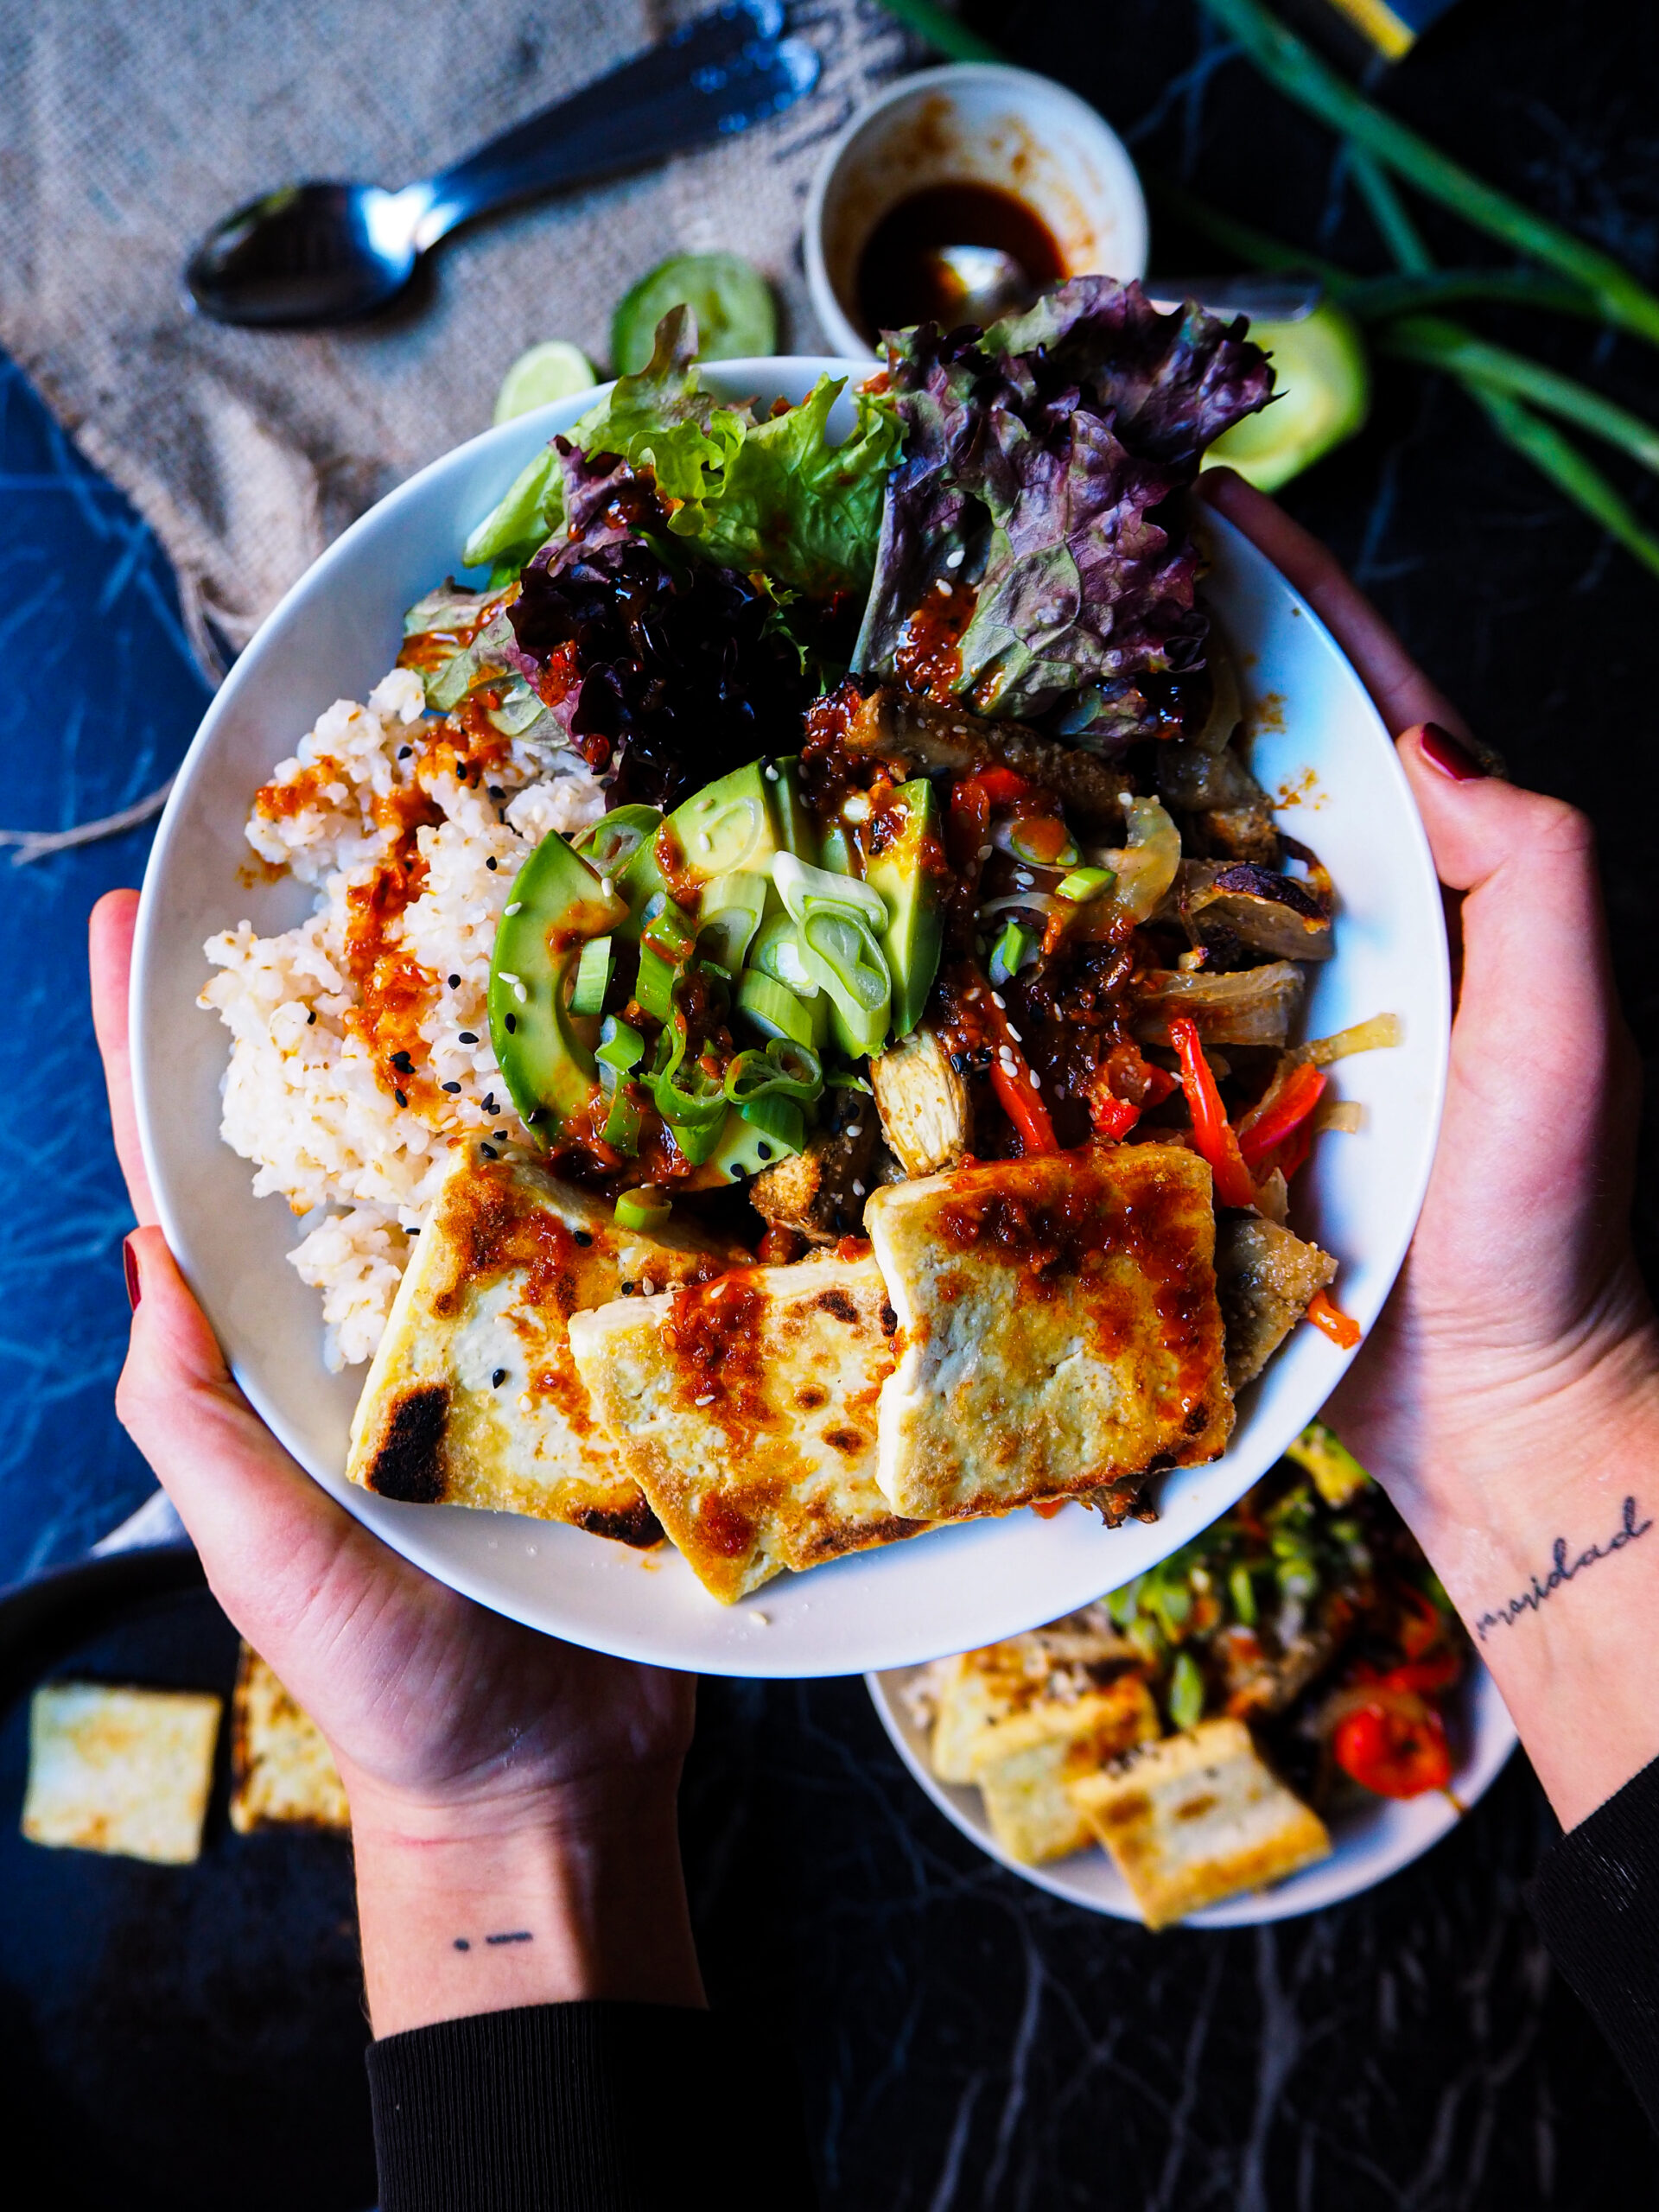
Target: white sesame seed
605, 884
648, 1285
761, 1620
1036, 1080
998, 1002
858, 1188
984, 853
521, 994
942, 585
707, 1399
1014, 1034
507, 975
771, 774
954, 560
526, 1403
514, 907
973, 994
705, 843
856, 809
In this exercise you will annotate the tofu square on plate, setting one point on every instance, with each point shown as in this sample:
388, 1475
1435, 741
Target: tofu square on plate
1196, 1818
282, 1773
1058, 1330
473, 1398
1023, 1764
122, 1770
745, 1409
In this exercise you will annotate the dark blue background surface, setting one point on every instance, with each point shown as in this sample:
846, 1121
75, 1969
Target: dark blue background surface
102, 696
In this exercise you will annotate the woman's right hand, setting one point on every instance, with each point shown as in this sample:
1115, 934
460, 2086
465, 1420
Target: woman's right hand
1508, 1395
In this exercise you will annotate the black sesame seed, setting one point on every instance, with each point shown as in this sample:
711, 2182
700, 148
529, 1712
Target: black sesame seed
496, 793
500, 1135
492, 863
310, 1017
498, 1378
400, 1097
405, 752
958, 1061
453, 1089
454, 983
627, 1290
416, 1230
763, 1148
467, 1037
489, 1152
402, 1060
489, 1095
512, 1023
582, 1237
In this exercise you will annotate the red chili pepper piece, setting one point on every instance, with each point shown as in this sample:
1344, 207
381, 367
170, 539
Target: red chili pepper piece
1011, 1079
1214, 1133
1113, 1118
1392, 1753
1330, 1320
1267, 1125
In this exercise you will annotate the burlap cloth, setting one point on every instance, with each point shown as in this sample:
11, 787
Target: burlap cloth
126, 131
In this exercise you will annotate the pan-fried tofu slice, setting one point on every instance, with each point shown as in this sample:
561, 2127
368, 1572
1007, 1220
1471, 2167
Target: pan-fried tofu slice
745, 1409
122, 1770
1198, 1818
282, 1773
1023, 1764
975, 1689
1265, 1276
473, 1398
1058, 1326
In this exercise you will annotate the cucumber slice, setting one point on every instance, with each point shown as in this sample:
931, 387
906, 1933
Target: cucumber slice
545, 373
731, 300
1322, 373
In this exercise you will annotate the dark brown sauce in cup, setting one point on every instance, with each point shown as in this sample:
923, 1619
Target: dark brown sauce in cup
899, 283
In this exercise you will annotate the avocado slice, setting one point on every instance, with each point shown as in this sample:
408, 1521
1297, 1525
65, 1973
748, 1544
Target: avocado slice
1322, 394
904, 872
731, 825
558, 907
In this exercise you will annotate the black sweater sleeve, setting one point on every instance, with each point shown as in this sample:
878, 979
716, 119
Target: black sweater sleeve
584, 2107
1597, 1901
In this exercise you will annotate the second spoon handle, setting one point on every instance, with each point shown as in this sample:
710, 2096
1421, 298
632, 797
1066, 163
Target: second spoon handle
720, 73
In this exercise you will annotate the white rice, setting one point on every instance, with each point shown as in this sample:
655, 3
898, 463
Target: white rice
302, 1097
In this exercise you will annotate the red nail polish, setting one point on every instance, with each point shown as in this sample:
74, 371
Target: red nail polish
129, 1261
1453, 756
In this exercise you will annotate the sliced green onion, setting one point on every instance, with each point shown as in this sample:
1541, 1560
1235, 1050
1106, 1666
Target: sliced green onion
773, 1007
1020, 846
1084, 884
785, 1069
620, 1046
592, 977
1122, 1605
1243, 1592
653, 988
780, 1118
731, 910
1185, 1691
622, 1129
778, 952
845, 961
842, 1080
646, 1208
693, 1103
1009, 953
801, 887
669, 931
610, 843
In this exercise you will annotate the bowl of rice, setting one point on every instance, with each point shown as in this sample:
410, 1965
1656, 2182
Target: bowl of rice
272, 967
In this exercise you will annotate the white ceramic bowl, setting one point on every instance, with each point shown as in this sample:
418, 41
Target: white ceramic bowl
972, 122
1369, 1843
334, 636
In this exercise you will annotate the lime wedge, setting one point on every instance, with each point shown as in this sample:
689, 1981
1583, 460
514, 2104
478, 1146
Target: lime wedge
728, 295
1326, 382
545, 373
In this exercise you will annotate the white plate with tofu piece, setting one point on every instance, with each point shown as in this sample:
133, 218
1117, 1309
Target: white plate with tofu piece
1319, 746
1200, 1814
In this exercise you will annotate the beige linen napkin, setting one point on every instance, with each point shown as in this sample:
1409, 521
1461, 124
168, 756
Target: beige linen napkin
126, 131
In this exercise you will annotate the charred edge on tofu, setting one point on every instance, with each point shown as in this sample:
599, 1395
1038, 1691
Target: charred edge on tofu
409, 1465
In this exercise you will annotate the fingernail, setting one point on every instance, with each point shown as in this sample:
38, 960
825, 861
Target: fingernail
1453, 756
129, 1261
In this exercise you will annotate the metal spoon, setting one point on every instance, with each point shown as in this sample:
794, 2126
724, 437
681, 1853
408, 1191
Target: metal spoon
324, 253
982, 283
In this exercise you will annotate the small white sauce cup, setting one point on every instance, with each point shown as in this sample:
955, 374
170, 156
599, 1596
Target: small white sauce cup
978, 122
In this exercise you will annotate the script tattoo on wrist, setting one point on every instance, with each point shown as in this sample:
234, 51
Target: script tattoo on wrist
507, 1935
1563, 1570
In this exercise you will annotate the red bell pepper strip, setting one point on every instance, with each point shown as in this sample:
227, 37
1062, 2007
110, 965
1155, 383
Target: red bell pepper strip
1011, 1079
1392, 1753
1214, 1133
1268, 1124
1342, 1329
1113, 1118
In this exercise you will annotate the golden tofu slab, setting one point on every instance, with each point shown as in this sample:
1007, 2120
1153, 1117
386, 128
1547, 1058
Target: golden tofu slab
1023, 1764
282, 1773
974, 1691
1058, 1330
473, 1398
122, 1770
745, 1409
1198, 1818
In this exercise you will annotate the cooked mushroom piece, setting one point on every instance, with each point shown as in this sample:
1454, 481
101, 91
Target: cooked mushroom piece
921, 739
924, 1103
1255, 1007
1239, 902
1265, 1276
1231, 814
820, 1192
